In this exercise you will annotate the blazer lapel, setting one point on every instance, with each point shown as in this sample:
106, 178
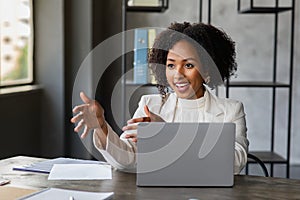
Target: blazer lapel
168, 109
214, 109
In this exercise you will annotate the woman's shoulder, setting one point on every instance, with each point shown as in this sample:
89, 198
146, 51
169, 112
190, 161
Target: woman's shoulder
151, 96
226, 102
154, 101
229, 101
232, 107
150, 99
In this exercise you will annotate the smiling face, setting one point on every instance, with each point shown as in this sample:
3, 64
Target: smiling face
183, 71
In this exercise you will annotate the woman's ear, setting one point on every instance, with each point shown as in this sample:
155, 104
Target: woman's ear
207, 80
206, 77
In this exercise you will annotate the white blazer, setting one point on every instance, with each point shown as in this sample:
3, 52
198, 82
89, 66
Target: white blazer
120, 152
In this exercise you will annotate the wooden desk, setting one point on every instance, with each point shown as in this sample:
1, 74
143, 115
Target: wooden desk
124, 187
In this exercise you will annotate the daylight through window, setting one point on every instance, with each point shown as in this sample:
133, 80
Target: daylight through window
16, 42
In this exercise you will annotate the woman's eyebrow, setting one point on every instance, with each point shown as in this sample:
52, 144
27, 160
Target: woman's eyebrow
171, 59
186, 59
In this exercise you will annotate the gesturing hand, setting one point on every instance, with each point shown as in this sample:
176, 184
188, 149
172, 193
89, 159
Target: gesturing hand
89, 115
132, 123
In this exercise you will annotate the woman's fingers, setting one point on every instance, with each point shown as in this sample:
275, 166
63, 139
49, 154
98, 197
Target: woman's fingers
85, 132
132, 124
87, 116
131, 136
147, 111
130, 127
85, 98
141, 119
79, 126
80, 108
153, 117
77, 117
134, 140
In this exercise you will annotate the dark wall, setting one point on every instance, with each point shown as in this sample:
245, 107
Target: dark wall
107, 18
49, 68
87, 24
78, 43
20, 122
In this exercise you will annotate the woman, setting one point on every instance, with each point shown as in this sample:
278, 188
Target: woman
187, 58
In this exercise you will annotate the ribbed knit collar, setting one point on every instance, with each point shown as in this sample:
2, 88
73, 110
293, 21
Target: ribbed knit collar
192, 103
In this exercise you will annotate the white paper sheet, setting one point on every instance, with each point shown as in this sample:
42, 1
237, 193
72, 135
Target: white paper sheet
55, 193
80, 172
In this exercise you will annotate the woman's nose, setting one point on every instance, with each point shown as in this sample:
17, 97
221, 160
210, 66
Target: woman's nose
179, 72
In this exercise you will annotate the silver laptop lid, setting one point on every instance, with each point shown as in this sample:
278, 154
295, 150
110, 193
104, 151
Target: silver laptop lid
185, 154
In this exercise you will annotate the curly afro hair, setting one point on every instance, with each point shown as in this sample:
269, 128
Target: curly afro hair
215, 48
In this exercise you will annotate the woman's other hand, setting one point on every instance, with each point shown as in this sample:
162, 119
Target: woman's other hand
89, 115
132, 124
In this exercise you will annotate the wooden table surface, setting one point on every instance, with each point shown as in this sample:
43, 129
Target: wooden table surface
124, 187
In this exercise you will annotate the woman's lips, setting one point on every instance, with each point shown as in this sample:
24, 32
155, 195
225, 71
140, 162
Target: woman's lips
182, 87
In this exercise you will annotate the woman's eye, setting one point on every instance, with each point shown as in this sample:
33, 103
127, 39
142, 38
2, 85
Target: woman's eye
189, 65
170, 66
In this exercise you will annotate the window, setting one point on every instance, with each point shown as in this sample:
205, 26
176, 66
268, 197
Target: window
16, 42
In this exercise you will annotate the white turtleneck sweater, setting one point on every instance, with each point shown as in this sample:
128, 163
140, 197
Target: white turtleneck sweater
120, 152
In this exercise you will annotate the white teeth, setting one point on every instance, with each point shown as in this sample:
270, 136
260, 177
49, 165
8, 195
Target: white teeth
181, 84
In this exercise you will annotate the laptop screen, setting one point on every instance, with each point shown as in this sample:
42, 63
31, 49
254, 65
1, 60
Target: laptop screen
185, 154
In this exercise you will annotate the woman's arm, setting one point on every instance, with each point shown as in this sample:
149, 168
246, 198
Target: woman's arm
121, 152
90, 116
241, 141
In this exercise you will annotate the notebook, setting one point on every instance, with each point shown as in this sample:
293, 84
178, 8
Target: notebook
185, 154
60, 194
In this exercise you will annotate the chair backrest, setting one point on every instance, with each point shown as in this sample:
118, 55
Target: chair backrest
263, 166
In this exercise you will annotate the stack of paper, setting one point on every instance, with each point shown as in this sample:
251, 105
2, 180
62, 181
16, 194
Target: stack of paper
46, 166
80, 172
70, 169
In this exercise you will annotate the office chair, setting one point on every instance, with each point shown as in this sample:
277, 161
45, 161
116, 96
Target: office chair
256, 159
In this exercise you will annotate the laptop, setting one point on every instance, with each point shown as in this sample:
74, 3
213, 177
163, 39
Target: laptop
185, 154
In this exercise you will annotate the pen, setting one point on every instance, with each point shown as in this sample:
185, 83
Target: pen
71, 198
4, 182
